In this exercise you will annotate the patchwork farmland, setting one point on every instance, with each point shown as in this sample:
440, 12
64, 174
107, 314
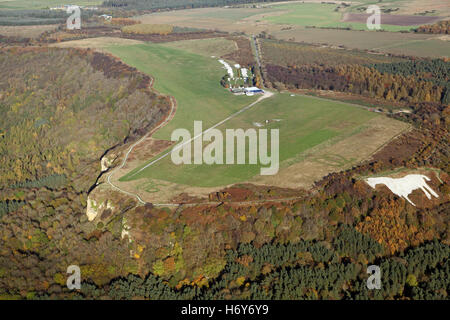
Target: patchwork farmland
317, 23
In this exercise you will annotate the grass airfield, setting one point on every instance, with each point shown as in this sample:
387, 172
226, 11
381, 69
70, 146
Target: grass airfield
317, 136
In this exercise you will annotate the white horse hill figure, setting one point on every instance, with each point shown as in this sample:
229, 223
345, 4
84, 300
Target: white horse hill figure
404, 186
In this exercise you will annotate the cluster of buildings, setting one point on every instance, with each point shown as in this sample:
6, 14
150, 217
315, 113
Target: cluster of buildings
241, 89
248, 91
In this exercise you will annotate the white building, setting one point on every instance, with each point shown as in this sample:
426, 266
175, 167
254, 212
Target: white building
250, 91
244, 72
228, 68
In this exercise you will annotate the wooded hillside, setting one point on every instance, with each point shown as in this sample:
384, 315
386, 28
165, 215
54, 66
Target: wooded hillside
61, 109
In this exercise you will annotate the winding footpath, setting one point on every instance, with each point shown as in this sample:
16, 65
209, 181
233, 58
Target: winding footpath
130, 149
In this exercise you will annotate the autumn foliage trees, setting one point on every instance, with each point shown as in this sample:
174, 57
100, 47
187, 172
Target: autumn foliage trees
51, 104
442, 27
358, 79
390, 78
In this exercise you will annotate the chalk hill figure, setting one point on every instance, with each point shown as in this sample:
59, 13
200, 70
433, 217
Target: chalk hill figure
405, 186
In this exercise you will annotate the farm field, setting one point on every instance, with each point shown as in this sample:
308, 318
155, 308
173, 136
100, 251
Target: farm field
219, 14
224, 19
262, 19
322, 15
409, 7
388, 42
421, 48
25, 31
99, 43
205, 47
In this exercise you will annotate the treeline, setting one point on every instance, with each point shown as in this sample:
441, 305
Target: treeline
285, 53
442, 27
124, 21
53, 181
174, 4
359, 80
10, 206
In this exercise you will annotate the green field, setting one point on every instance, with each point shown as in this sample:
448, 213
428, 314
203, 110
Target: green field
192, 79
205, 47
231, 14
411, 44
420, 48
44, 4
307, 125
305, 122
320, 15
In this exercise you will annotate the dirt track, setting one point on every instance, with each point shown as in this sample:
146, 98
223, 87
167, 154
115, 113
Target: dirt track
130, 149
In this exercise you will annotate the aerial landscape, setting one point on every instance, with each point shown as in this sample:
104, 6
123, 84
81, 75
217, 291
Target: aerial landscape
224, 150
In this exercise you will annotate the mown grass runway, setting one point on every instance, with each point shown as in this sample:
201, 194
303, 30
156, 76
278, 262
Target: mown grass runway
304, 123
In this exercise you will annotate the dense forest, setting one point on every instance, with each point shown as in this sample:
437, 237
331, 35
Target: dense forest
360, 80
390, 78
436, 71
305, 270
